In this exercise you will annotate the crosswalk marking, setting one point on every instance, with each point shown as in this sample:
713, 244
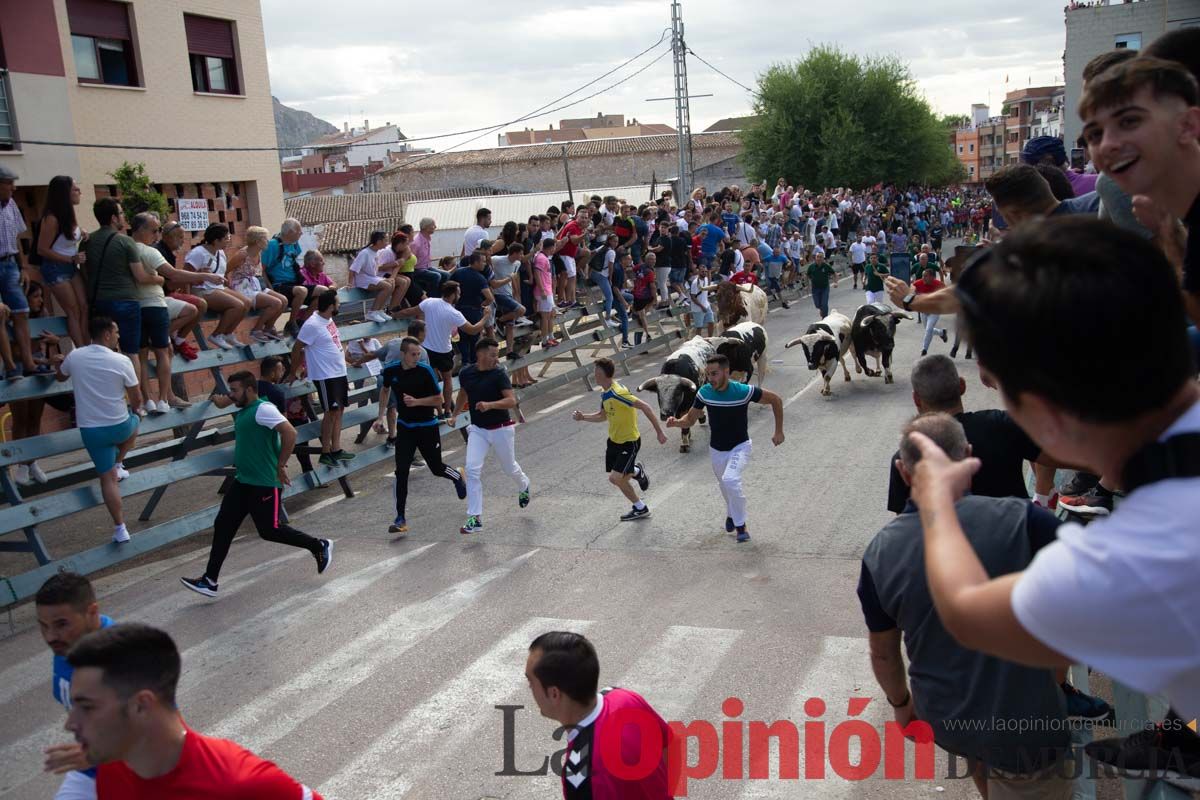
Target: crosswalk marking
21, 760
671, 673
388, 769
267, 719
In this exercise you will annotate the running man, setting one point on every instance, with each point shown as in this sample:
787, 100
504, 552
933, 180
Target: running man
263, 442
66, 612
485, 389
729, 433
620, 407
415, 386
123, 715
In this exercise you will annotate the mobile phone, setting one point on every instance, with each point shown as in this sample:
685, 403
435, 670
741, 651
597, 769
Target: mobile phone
1078, 158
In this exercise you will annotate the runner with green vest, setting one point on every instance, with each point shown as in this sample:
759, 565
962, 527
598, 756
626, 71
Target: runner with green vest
263, 442
876, 269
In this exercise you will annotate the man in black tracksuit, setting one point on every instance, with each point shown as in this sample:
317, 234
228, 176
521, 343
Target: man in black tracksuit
418, 395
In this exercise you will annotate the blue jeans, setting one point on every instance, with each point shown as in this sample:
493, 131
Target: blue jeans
821, 300
466, 341
429, 280
128, 316
10, 286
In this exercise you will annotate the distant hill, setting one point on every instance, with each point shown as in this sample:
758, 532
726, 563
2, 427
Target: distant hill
295, 128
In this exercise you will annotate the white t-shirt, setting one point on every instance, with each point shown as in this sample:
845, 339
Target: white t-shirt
362, 348
739, 262
697, 297
472, 238
99, 377
858, 253
441, 319
150, 295
364, 269
322, 348
1123, 595
682, 223
268, 415
199, 259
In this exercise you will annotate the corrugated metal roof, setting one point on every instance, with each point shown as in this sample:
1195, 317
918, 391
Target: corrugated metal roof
460, 213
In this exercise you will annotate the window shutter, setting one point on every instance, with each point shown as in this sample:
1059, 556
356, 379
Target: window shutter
209, 37
103, 19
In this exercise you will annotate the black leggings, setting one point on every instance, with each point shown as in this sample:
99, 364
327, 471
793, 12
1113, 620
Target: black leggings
429, 441
262, 504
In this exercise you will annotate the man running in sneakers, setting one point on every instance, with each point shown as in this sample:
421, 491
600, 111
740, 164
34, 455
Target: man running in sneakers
66, 612
415, 386
619, 407
124, 715
485, 389
263, 442
319, 347
727, 403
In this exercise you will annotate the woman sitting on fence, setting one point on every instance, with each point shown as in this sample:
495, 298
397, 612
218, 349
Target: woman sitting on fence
244, 269
210, 258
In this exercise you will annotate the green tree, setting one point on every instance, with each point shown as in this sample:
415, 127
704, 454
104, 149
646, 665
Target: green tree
835, 119
136, 192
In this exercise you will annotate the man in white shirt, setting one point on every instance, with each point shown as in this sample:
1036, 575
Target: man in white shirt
319, 347
1122, 595
477, 232
858, 257
441, 319
105, 388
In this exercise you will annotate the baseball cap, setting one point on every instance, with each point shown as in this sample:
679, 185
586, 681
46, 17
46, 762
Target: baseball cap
1039, 147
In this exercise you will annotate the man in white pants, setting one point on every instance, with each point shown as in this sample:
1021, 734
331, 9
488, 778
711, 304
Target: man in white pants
727, 403
485, 389
928, 284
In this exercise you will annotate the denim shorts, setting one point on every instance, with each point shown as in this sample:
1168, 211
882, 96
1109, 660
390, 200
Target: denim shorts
10, 287
156, 322
56, 272
701, 319
102, 443
677, 275
505, 305
128, 316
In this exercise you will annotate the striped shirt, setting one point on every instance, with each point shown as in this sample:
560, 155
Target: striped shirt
12, 225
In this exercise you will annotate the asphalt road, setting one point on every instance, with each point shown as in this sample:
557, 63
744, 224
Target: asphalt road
380, 679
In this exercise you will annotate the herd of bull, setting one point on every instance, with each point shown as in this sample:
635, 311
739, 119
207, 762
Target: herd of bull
870, 333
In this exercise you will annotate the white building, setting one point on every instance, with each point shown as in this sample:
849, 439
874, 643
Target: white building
358, 147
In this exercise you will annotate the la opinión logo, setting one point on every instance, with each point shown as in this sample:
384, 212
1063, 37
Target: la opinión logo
725, 745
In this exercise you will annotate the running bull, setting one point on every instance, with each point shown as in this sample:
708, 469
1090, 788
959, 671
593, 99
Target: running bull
745, 345
679, 381
825, 344
874, 334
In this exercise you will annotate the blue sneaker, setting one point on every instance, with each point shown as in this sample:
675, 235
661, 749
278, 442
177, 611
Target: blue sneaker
1084, 707
399, 526
729, 524
743, 535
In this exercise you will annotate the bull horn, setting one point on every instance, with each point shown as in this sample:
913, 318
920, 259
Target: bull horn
901, 314
652, 383
689, 384
867, 320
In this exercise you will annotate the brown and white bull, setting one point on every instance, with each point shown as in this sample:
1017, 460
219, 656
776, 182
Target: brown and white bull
678, 382
736, 303
825, 344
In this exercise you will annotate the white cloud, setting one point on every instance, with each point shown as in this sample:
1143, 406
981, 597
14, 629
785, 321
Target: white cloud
438, 67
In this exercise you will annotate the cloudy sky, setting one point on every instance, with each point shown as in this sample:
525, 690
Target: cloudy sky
432, 68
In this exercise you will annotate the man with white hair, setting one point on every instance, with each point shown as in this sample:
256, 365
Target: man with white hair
427, 276
281, 268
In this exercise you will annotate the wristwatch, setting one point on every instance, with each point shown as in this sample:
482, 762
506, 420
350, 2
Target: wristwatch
907, 301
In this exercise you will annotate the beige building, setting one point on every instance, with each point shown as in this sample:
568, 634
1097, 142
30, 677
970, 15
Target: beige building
179, 73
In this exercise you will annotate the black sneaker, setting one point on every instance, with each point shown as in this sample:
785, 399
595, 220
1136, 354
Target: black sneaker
389, 442
201, 585
743, 535
945, 337
1155, 753
729, 524
460, 485
639, 474
1080, 483
1085, 707
1096, 502
325, 557
636, 513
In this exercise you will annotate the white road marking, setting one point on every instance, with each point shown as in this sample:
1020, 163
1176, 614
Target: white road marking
798, 394
315, 507
561, 404
271, 716
671, 673
389, 768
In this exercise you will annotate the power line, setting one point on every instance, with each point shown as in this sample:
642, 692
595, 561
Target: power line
542, 111
722, 74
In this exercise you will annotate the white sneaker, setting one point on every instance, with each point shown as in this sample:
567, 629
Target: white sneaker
220, 341
381, 316
610, 323
152, 407
522, 321
35, 472
120, 534
122, 473
21, 475
163, 407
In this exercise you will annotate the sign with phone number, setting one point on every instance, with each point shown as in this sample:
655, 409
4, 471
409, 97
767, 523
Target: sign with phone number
193, 213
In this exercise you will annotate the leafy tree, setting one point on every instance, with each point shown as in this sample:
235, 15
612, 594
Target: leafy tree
835, 119
136, 192
954, 121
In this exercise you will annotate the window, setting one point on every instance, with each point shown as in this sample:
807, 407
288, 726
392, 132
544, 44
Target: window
1131, 41
8, 126
971, 147
960, 149
211, 53
102, 42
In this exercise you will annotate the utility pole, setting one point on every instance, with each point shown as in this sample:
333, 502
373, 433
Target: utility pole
683, 117
567, 170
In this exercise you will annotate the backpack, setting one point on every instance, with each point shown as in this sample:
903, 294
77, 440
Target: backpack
596, 262
266, 268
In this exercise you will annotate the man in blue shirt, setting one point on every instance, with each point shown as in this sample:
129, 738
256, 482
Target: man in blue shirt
727, 403
281, 267
66, 612
711, 236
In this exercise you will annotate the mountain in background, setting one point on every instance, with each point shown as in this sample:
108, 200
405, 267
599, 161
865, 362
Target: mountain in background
295, 128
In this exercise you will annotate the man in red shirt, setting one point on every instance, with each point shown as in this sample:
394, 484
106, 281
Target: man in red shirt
572, 232
603, 727
928, 284
123, 714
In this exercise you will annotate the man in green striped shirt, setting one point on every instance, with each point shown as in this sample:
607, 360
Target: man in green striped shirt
263, 443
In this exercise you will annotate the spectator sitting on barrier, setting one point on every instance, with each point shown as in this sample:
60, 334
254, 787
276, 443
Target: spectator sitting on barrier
364, 275
209, 259
156, 319
105, 387
179, 281
315, 280
27, 414
281, 270
244, 270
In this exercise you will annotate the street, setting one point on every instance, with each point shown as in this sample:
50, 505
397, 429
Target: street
381, 678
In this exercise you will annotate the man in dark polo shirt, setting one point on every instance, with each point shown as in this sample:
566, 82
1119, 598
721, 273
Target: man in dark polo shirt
1008, 718
485, 389
475, 295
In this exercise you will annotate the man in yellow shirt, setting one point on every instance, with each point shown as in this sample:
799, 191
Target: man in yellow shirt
619, 407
